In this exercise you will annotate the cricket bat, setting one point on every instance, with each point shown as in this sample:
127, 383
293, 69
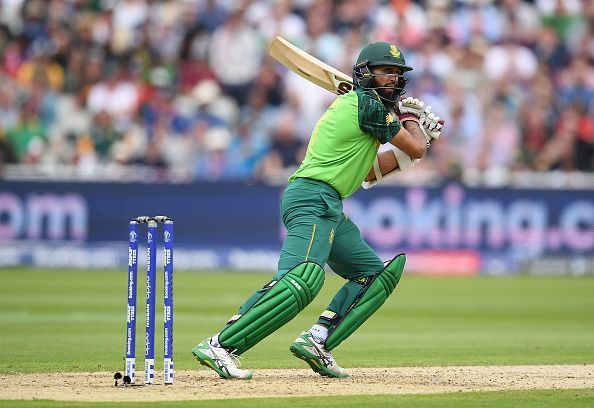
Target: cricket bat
310, 67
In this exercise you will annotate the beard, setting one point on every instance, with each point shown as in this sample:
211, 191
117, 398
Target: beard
386, 92
389, 95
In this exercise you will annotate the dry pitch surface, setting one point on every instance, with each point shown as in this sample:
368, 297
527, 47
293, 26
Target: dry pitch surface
203, 385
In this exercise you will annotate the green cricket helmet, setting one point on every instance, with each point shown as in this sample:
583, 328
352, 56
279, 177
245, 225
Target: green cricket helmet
377, 54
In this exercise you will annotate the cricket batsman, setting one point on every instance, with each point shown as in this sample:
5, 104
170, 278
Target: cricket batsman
341, 156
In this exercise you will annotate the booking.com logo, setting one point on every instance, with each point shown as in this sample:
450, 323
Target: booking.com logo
49, 216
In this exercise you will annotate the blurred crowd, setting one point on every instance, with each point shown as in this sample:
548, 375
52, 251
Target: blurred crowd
188, 84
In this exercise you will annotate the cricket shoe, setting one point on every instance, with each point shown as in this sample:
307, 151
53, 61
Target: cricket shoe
319, 359
225, 363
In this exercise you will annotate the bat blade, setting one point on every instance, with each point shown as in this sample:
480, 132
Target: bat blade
310, 67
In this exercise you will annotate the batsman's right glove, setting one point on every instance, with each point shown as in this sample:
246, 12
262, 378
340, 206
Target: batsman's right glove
431, 125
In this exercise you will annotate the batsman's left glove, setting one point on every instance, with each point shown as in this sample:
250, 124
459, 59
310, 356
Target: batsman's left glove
410, 109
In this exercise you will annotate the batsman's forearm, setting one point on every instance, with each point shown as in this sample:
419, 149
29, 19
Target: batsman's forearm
417, 134
387, 164
415, 130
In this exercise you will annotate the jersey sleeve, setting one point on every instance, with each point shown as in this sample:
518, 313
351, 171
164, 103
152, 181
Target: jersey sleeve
376, 120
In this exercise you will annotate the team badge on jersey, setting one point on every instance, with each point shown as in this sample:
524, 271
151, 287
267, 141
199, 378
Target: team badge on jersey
389, 118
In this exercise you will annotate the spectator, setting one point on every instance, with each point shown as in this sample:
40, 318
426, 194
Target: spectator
560, 14
235, 54
40, 70
128, 18
286, 150
559, 150
552, 53
104, 134
213, 164
510, 62
535, 127
211, 15
499, 147
27, 135
521, 18
576, 84
9, 113
7, 155
477, 18
584, 144
194, 67
276, 19
118, 95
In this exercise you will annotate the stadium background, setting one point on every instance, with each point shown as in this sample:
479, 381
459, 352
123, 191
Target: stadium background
112, 109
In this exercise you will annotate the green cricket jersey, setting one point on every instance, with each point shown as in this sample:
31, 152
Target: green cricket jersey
345, 141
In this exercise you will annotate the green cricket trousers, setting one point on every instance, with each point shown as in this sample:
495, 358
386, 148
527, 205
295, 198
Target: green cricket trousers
318, 231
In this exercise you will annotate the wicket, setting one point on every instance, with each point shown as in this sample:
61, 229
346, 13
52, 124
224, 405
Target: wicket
151, 277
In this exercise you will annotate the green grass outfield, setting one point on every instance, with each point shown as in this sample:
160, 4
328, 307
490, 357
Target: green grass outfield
55, 321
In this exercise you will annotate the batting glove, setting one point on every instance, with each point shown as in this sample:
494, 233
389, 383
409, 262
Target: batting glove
431, 125
410, 109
